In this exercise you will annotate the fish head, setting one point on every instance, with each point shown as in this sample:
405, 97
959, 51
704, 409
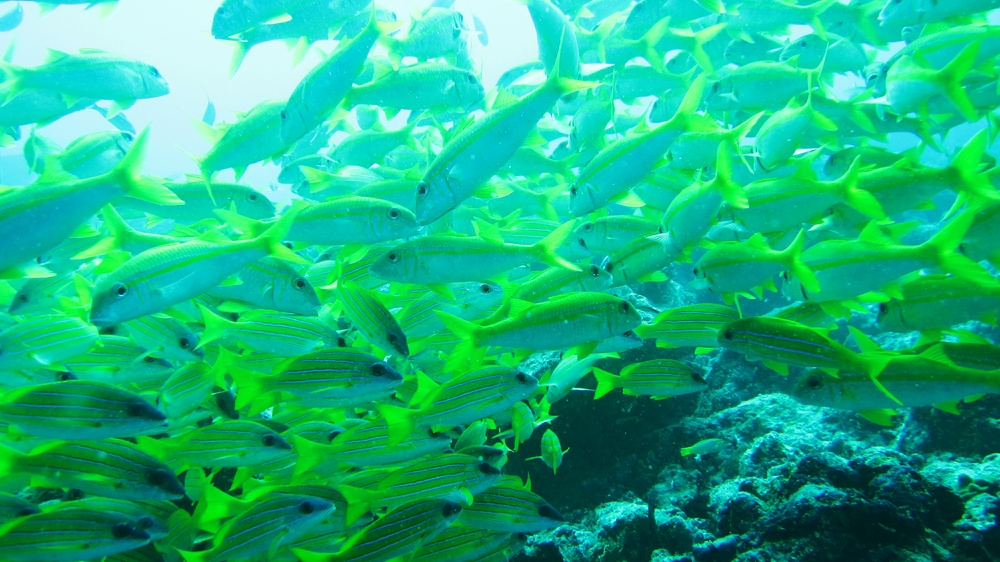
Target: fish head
294, 123
624, 317
123, 140
140, 414
597, 278
154, 84
469, 89
382, 373
253, 204
584, 198
117, 300
296, 293
394, 222
231, 18
396, 264
809, 48
875, 75
586, 234
816, 388
518, 385
901, 12
623, 342
435, 196
722, 96
164, 479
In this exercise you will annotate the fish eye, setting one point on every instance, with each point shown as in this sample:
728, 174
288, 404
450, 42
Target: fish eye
333, 435
588, 226
154, 72
393, 257
583, 243
803, 43
624, 306
609, 267
66, 376
394, 213
660, 229
450, 508
572, 190
392, 338
471, 79
485, 289
728, 335
145, 522
814, 381
156, 477
595, 271
521, 378
882, 308
269, 440
183, 343
306, 508
422, 188
73, 494
341, 342
251, 196
119, 289
135, 410
548, 512
715, 88
288, 245
377, 370
148, 359
324, 256
283, 115
22, 298
26, 512
121, 530
299, 283
628, 334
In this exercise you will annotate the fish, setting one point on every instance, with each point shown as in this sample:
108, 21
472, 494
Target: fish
705, 447
658, 378
164, 276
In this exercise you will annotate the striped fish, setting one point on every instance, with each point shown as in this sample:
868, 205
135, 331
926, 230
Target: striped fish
168, 275
79, 410
693, 325
118, 360
451, 476
69, 535
163, 336
45, 340
437, 258
272, 284
641, 260
352, 220
110, 468
510, 507
475, 395
555, 281
228, 443
270, 523
779, 343
12, 507
658, 379
365, 445
270, 332
607, 235
397, 533
185, 391
367, 313
460, 544
332, 378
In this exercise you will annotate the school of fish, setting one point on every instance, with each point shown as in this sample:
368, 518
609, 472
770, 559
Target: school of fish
193, 371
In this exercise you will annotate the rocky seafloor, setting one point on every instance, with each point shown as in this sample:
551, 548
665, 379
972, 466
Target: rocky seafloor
798, 483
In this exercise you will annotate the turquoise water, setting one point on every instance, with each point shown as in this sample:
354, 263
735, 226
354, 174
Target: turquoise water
685, 280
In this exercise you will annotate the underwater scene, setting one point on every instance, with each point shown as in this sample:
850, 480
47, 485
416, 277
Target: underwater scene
499, 280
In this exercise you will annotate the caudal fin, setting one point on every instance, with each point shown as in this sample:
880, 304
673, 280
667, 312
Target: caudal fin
606, 382
128, 173
860, 200
545, 249
399, 420
951, 80
792, 258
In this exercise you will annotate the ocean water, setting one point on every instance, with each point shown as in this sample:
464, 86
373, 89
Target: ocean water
476, 280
